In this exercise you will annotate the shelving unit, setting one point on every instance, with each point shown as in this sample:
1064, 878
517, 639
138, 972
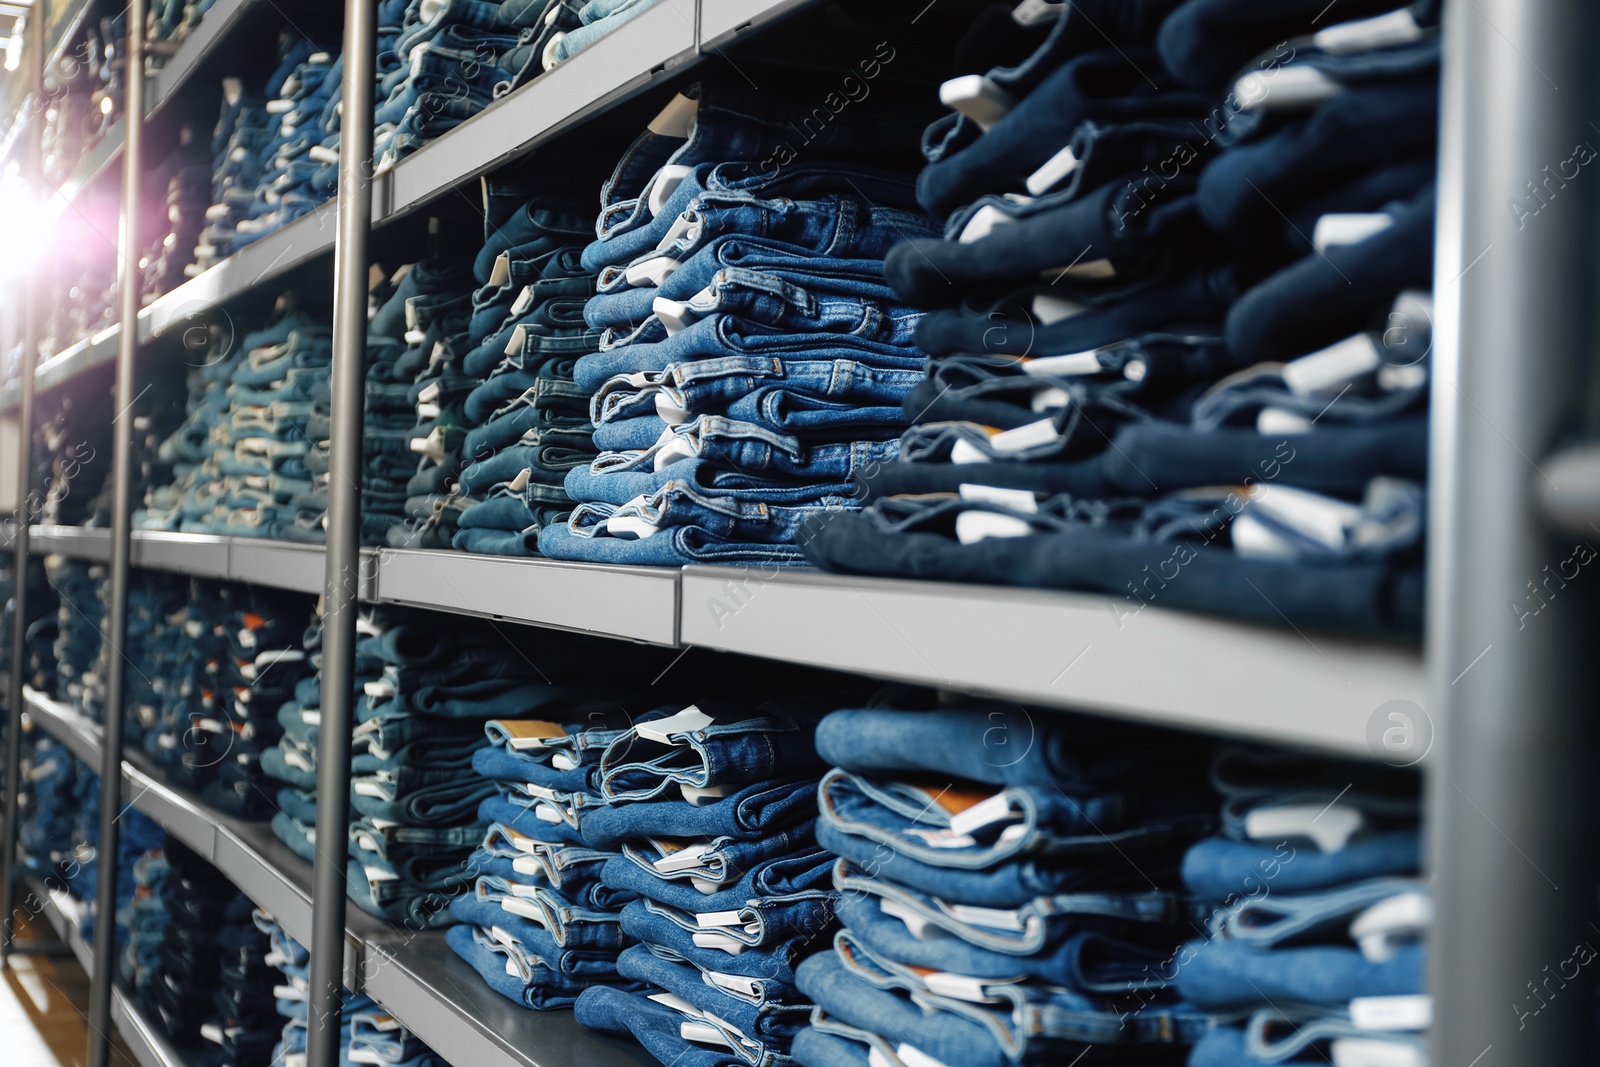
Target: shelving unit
1515, 732
412, 973
64, 913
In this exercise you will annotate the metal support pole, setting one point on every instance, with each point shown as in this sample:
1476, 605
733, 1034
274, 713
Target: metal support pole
19, 601
116, 633
343, 580
1511, 608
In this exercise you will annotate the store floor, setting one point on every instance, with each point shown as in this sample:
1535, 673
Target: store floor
44, 1003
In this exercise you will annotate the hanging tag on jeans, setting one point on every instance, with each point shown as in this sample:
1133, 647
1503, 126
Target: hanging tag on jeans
993, 918
977, 97
501, 272
677, 1003
525, 909
719, 941
1383, 928
701, 795
682, 859
961, 986
702, 1033
1330, 826
1037, 12
519, 338
998, 807
1413, 1012
734, 983
1375, 1052
1347, 228
911, 1056
1361, 35
523, 302
686, 721
677, 119
522, 734
713, 919
1052, 172
664, 184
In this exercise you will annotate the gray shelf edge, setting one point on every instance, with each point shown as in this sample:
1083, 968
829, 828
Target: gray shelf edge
150, 1048
614, 68
632, 603
723, 21
76, 731
212, 29
1064, 650
409, 186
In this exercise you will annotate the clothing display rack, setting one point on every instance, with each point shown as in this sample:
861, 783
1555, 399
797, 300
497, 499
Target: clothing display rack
1493, 702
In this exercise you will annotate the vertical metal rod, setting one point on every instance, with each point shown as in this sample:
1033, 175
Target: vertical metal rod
343, 579
19, 619
116, 632
1510, 660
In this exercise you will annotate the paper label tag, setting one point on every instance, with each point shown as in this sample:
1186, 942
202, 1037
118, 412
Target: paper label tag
1054, 170
703, 1034
720, 942
518, 340
993, 918
1050, 309
677, 119
686, 721
522, 734
501, 272
1392, 1013
1331, 369
676, 1003
996, 808
977, 97
1035, 12
734, 983
917, 923
701, 795
524, 908
915, 1057
682, 859
1375, 1052
523, 302
1015, 499
957, 987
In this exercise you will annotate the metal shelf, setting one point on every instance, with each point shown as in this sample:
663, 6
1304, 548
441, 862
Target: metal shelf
638, 603
75, 542
621, 64
639, 54
413, 974
1041, 647
1059, 649
721, 20
64, 914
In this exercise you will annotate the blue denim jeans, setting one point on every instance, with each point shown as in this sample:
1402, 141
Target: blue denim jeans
755, 810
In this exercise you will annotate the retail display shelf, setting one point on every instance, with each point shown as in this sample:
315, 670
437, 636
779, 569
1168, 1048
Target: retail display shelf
79, 733
446, 1003
1039, 647
637, 55
629, 59
64, 914
161, 88
76, 542
412, 973
1080, 651
638, 603
722, 20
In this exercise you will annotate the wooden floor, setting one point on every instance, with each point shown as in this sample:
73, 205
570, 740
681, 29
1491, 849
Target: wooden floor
43, 1004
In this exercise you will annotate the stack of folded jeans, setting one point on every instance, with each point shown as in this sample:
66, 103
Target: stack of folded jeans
753, 357
187, 683
715, 817
78, 625
258, 674
153, 598
449, 55
47, 832
1006, 885
298, 156
370, 1034
526, 421
246, 1023
551, 32
414, 391
146, 920
1155, 283
183, 185
189, 493
238, 142
1313, 954
138, 834
540, 925
198, 900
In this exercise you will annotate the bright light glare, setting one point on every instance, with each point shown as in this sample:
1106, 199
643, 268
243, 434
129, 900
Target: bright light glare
25, 228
